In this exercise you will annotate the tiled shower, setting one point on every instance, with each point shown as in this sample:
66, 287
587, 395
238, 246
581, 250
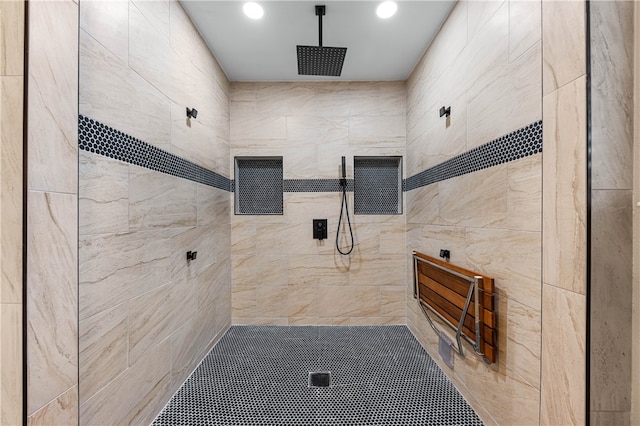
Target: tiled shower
147, 317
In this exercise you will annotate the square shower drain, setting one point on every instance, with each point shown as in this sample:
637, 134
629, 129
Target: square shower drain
319, 379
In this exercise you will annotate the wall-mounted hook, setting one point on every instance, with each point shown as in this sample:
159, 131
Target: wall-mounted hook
192, 113
445, 111
445, 254
191, 255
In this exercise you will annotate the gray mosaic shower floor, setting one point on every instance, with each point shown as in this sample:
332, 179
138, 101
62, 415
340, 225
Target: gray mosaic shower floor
259, 375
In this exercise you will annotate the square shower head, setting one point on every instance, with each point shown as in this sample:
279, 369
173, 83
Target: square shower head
321, 60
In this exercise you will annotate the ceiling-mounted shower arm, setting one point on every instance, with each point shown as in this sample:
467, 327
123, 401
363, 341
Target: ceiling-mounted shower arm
320, 11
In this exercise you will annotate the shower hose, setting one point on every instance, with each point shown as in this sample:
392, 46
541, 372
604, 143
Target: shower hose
344, 211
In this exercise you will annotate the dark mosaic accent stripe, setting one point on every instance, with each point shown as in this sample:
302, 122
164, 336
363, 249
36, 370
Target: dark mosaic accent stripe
513, 146
98, 138
315, 185
259, 376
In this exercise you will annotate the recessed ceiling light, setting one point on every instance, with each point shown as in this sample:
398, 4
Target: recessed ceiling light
386, 9
253, 10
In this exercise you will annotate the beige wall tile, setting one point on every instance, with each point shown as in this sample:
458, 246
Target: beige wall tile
512, 258
563, 357
63, 410
103, 193
524, 194
108, 23
302, 302
157, 200
11, 93
185, 350
393, 302
612, 94
361, 301
212, 206
11, 368
134, 397
243, 302
53, 108
611, 300
377, 131
117, 96
563, 43
564, 183
521, 353
272, 301
610, 418
103, 349
52, 297
310, 270
156, 315
525, 26
509, 102
12, 38
378, 270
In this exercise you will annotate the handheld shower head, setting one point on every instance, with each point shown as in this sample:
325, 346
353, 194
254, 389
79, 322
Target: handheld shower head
344, 168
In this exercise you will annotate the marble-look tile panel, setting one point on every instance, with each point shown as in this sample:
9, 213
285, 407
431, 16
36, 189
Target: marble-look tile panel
157, 200
319, 321
512, 258
103, 195
52, 299
393, 302
103, 349
521, 351
157, 314
612, 94
11, 369
423, 204
377, 131
63, 410
349, 301
444, 49
185, 349
311, 130
479, 13
11, 93
611, 300
271, 301
563, 376
212, 282
243, 238
392, 238
53, 108
525, 26
272, 270
563, 43
610, 418
564, 186
252, 127
524, 194
371, 321
302, 302
476, 199
243, 301
134, 397
312, 270
12, 38
430, 239
300, 162
378, 270
117, 96
511, 101
113, 269
212, 206
108, 23
201, 239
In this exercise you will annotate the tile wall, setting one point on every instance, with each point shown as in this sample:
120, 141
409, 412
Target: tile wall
52, 219
563, 378
147, 316
281, 275
11, 136
611, 291
486, 65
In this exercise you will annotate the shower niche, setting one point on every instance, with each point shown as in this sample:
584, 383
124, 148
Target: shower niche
258, 186
377, 185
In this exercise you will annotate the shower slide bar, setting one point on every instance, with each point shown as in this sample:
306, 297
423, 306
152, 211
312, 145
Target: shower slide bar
459, 298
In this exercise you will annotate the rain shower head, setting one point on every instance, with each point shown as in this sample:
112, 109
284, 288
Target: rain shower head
320, 60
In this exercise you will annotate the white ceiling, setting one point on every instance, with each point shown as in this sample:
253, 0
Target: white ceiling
265, 49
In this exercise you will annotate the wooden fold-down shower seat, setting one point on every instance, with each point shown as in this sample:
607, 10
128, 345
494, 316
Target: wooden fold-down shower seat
462, 299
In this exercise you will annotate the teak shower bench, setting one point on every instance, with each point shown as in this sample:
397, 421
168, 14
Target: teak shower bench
462, 299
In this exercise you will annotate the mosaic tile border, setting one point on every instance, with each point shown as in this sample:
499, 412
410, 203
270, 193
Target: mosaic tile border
101, 139
518, 144
310, 185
